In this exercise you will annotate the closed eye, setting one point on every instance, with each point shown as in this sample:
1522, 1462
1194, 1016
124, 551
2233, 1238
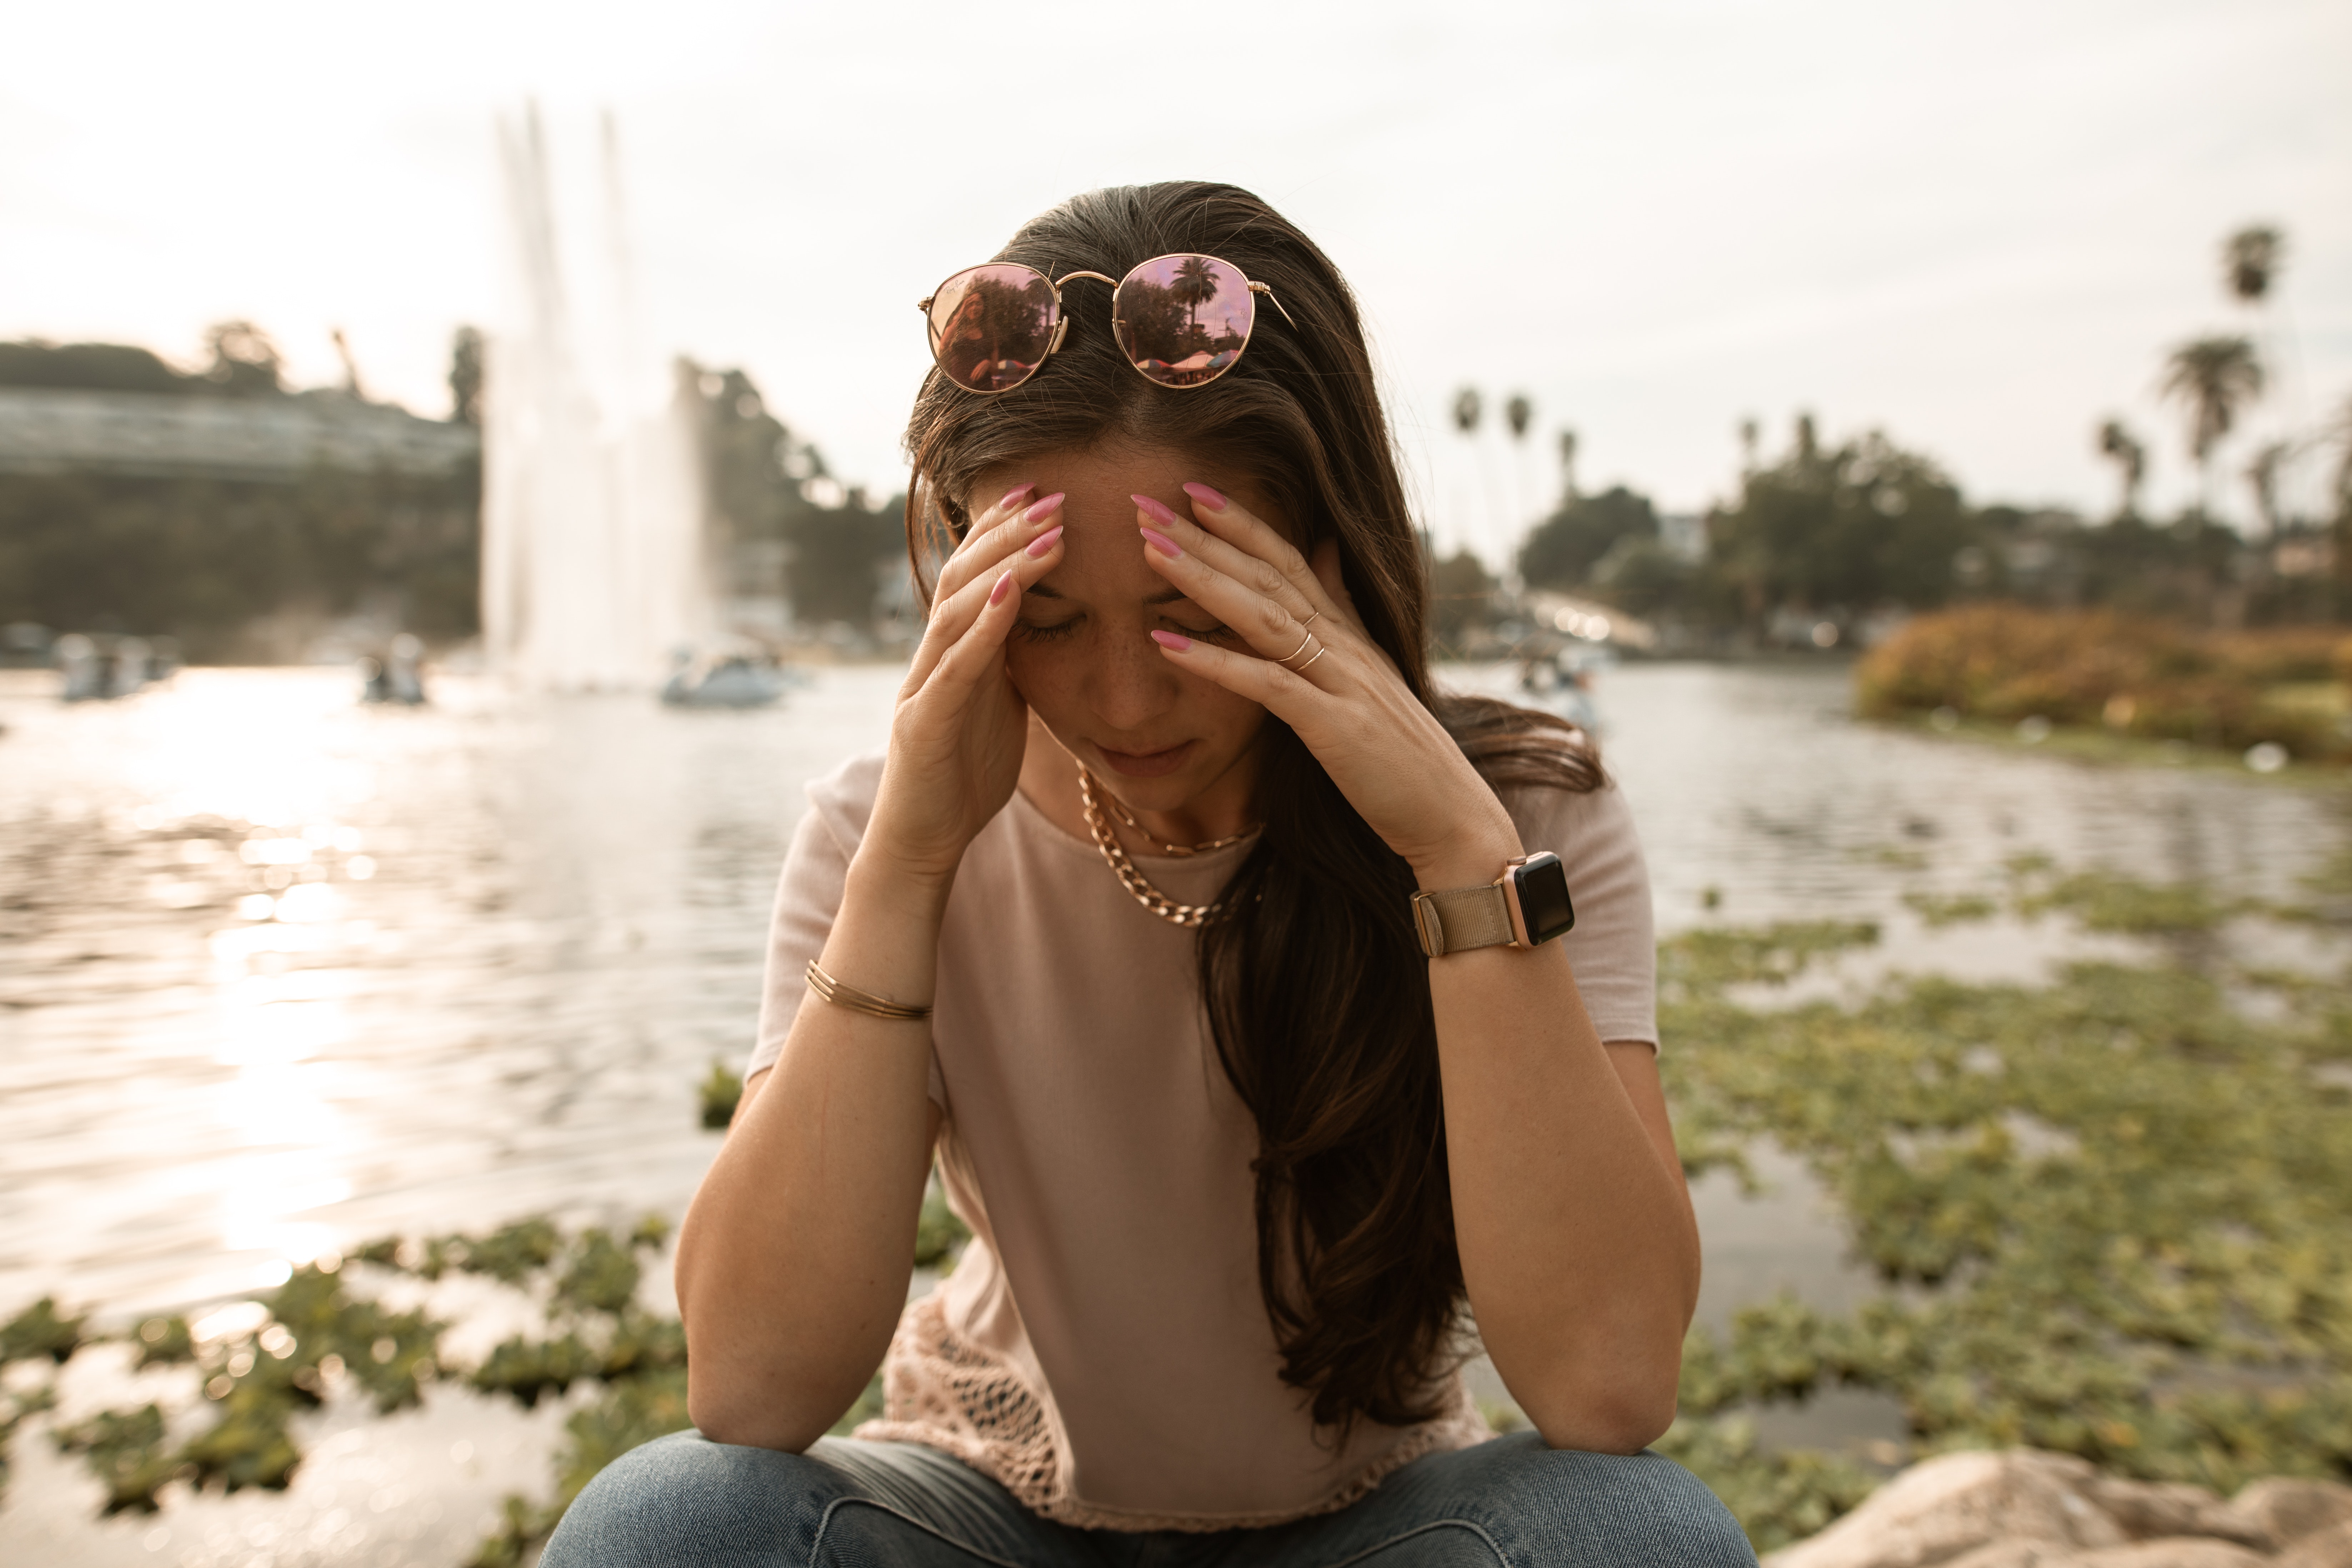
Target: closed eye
1033, 633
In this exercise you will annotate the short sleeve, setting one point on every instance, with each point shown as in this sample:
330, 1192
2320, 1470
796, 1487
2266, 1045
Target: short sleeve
1614, 947
808, 897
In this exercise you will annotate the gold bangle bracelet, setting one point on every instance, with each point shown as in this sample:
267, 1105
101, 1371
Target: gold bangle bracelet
858, 1001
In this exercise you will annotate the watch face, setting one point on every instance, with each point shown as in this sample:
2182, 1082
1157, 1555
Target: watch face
1542, 885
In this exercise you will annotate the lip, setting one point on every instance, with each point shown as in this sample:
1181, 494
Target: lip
1148, 765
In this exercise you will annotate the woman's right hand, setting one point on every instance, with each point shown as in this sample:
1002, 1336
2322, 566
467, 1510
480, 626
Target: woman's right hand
960, 730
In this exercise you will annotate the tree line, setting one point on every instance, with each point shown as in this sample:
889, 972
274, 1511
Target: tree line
1825, 536
208, 561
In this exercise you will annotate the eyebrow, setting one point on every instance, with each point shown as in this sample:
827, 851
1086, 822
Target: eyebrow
1165, 595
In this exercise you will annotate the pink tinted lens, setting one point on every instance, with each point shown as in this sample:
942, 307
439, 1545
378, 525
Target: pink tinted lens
991, 326
1183, 320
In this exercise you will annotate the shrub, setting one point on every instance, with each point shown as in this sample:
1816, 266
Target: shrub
2136, 675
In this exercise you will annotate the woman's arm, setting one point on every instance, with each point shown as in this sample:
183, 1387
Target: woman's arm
1578, 1244
793, 1257
792, 1262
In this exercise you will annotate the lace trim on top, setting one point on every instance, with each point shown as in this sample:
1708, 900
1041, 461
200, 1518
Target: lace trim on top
941, 1390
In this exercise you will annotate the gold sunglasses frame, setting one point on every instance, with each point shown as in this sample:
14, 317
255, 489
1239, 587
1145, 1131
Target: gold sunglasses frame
1061, 317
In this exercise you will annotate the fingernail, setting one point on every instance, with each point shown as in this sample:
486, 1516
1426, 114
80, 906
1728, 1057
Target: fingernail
1003, 586
1013, 497
1206, 497
1045, 541
1173, 642
1163, 543
1044, 508
1153, 508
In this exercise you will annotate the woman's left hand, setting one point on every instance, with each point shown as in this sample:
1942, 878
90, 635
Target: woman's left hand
1387, 753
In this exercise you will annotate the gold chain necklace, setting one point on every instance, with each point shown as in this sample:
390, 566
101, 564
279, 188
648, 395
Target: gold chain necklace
1138, 885
1181, 851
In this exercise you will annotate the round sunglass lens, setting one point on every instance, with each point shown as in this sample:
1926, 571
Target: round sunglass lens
1183, 320
991, 326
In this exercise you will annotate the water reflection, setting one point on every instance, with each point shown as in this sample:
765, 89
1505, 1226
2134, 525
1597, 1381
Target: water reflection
277, 972
1183, 320
991, 326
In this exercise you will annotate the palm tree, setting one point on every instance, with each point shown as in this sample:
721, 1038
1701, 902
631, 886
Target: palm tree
1467, 409
2262, 478
2130, 457
2249, 262
1195, 286
1518, 412
1568, 466
2215, 377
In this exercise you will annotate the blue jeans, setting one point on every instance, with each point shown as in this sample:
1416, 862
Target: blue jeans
685, 1501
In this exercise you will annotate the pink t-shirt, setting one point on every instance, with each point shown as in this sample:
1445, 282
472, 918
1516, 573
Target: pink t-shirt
1101, 1348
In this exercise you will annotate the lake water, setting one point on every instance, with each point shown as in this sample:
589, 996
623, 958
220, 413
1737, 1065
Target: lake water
280, 972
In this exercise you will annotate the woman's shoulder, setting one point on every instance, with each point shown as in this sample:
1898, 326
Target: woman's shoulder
1558, 819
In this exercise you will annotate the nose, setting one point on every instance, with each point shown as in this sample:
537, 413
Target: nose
1129, 685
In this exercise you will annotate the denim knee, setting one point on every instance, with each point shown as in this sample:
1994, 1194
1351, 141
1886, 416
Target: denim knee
686, 1500
1549, 1506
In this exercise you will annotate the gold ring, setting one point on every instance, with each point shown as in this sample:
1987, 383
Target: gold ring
1306, 637
1312, 619
1310, 663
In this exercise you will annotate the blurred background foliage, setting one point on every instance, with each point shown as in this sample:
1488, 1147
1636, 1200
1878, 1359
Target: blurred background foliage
238, 569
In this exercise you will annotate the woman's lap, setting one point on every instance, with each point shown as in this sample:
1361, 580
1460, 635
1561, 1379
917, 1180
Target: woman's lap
686, 1501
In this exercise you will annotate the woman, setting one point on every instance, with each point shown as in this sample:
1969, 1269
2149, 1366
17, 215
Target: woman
1131, 930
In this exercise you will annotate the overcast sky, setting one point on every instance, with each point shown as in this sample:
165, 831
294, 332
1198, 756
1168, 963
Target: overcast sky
1977, 225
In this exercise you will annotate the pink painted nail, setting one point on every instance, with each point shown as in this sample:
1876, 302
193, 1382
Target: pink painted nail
1044, 508
1014, 497
1173, 642
1207, 497
1162, 543
1044, 542
1003, 586
1153, 510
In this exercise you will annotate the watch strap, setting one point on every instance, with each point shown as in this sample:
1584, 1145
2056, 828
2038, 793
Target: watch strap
1462, 919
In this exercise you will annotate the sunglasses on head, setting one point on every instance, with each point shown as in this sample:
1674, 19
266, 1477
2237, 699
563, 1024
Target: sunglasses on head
1181, 321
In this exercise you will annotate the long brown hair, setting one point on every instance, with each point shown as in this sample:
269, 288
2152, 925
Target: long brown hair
1316, 993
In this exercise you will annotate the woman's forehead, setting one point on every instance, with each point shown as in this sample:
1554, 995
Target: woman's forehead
1098, 482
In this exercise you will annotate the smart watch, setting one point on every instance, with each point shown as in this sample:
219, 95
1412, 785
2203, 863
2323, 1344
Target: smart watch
1527, 906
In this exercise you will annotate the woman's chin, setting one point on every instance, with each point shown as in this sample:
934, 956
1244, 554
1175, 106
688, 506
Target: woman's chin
1150, 767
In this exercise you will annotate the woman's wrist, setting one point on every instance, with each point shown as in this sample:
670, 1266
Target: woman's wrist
1474, 853
895, 882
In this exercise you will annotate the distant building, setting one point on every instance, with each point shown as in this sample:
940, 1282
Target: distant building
50, 430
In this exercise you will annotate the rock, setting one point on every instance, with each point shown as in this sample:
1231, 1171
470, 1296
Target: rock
2280, 1512
2151, 1509
2329, 1548
2014, 1555
1952, 1505
2174, 1551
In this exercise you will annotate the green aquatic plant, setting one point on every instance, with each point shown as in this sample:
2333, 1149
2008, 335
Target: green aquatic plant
1942, 910
939, 1234
721, 1092
41, 1332
2113, 1213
